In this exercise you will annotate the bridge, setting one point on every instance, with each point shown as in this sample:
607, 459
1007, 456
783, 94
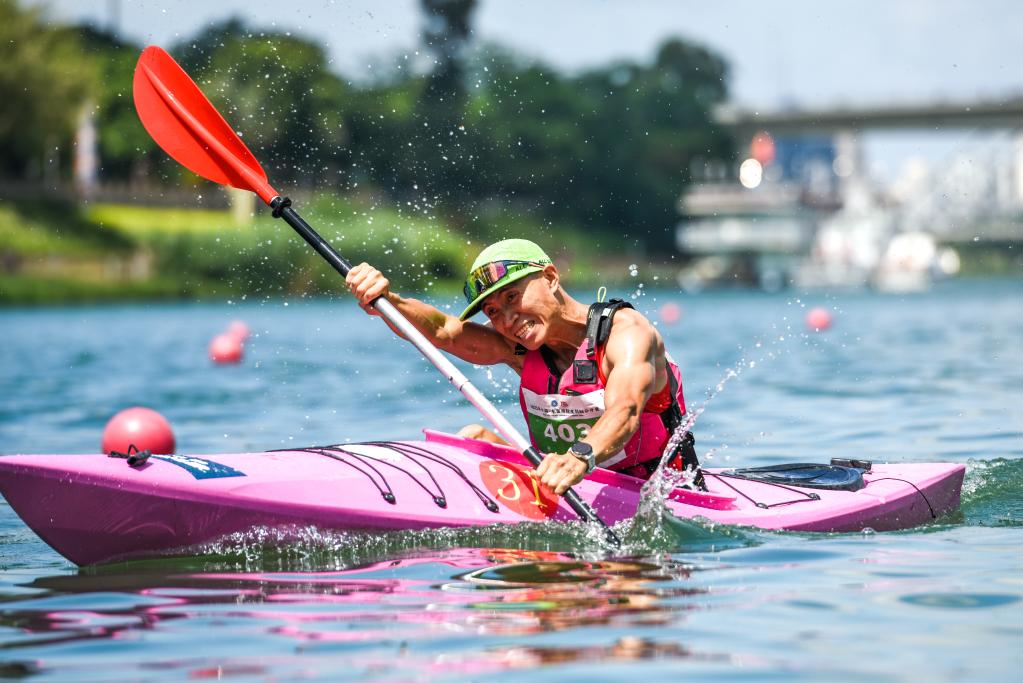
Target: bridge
996, 113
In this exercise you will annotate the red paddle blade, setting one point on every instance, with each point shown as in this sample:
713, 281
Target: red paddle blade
185, 124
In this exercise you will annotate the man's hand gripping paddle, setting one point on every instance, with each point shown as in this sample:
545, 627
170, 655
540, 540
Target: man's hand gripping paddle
187, 126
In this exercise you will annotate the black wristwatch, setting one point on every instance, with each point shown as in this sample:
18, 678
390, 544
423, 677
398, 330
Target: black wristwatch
584, 452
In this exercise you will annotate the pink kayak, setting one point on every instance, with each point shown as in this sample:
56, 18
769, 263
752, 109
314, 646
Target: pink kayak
94, 508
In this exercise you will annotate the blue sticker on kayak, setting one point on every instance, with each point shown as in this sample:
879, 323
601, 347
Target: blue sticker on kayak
200, 468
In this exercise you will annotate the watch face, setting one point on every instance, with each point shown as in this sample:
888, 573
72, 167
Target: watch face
584, 452
582, 448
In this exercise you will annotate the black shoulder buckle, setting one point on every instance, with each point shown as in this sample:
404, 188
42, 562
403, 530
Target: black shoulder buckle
584, 372
134, 456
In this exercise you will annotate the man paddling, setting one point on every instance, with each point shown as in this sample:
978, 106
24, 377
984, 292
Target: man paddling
597, 387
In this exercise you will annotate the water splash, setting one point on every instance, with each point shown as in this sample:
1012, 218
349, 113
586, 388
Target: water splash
313, 549
991, 493
654, 529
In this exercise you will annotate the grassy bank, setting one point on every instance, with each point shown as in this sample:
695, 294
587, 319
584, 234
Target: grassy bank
53, 252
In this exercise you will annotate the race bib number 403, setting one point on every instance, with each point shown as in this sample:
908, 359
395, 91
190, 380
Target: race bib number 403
557, 421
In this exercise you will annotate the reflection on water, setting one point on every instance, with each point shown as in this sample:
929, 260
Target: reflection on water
462, 613
374, 612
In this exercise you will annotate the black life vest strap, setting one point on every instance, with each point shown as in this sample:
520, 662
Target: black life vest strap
598, 323
672, 417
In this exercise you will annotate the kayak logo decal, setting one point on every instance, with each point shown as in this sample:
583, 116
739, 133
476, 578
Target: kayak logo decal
200, 468
517, 488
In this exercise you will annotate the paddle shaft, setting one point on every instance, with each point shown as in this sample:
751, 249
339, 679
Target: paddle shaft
282, 209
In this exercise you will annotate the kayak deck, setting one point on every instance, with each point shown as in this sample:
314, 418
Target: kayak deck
92, 508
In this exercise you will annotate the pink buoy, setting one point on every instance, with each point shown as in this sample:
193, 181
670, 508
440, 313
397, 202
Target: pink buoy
140, 427
670, 313
818, 319
226, 348
240, 330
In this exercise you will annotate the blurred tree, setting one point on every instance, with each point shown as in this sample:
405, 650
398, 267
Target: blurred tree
650, 124
609, 149
276, 89
45, 80
437, 157
124, 145
446, 32
528, 122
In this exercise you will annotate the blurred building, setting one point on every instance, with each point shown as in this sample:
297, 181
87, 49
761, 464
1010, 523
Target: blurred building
801, 208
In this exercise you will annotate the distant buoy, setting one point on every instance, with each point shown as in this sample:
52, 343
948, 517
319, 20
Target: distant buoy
240, 330
818, 319
671, 313
140, 427
226, 348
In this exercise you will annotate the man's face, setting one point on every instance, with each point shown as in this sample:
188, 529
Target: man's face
522, 310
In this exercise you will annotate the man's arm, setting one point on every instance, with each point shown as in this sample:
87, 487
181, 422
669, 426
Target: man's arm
469, 341
630, 359
630, 364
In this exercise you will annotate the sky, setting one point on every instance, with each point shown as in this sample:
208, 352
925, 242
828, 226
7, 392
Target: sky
783, 53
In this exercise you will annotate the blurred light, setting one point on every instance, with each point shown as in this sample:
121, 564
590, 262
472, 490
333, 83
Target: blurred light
948, 261
842, 166
762, 148
751, 173
911, 251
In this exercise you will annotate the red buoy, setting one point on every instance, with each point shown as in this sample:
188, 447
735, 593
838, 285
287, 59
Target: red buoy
240, 330
140, 427
671, 313
818, 319
226, 348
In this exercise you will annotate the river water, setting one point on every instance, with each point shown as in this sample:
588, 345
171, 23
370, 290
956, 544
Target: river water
914, 378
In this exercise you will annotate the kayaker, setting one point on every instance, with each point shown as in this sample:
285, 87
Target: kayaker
597, 387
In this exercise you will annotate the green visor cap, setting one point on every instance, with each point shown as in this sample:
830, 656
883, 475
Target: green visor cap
497, 266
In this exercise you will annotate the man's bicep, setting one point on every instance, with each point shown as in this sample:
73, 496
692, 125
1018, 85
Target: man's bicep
483, 345
632, 382
631, 364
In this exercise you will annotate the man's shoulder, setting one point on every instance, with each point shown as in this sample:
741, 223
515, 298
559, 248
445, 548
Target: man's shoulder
630, 326
629, 319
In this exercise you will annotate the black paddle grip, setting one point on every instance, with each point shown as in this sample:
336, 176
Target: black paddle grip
282, 209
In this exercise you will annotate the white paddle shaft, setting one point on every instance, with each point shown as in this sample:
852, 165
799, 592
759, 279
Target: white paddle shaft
453, 374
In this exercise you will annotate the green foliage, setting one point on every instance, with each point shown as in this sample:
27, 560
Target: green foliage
63, 252
266, 257
38, 229
636, 135
34, 290
200, 245
276, 89
415, 251
609, 149
45, 79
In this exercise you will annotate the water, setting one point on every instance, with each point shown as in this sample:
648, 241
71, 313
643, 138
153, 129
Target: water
924, 377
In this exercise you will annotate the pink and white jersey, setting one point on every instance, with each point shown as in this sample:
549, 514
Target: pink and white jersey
560, 409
